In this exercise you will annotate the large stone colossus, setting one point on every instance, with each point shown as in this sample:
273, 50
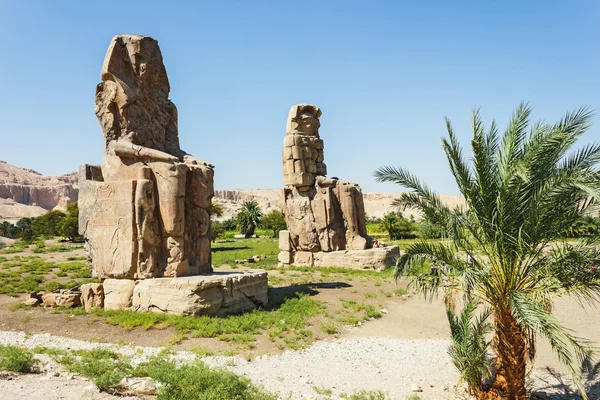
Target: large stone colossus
323, 215
145, 212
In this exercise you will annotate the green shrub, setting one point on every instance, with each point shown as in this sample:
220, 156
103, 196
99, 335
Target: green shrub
15, 359
104, 367
198, 382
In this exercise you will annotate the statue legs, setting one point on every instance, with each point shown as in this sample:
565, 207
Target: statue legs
171, 182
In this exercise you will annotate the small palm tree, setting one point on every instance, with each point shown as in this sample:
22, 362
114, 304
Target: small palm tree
248, 219
523, 190
389, 223
216, 210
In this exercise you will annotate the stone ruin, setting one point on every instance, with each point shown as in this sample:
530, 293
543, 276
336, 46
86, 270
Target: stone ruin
325, 216
145, 213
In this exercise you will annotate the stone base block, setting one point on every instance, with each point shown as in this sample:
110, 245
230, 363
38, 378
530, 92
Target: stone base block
92, 296
377, 259
118, 293
217, 294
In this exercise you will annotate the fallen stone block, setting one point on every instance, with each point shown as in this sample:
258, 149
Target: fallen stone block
92, 296
65, 299
32, 302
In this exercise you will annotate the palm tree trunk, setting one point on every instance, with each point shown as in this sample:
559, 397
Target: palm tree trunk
510, 347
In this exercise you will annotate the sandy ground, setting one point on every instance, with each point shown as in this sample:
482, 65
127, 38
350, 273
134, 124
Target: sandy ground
406, 347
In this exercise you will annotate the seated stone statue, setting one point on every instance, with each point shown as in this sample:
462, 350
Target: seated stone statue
322, 214
145, 212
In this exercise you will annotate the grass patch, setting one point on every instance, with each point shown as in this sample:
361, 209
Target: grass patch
366, 395
28, 274
226, 252
329, 328
194, 381
284, 325
15, 359
322, 391
199, 382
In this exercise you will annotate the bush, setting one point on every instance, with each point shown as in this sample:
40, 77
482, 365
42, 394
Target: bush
273, 221
397, 226
198, 382
429, 230
70, 224
49, 224
15, 359
218, 229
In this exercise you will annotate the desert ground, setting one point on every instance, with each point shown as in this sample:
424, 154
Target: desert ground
352, 331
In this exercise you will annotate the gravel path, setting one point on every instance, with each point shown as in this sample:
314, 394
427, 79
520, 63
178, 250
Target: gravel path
343, 366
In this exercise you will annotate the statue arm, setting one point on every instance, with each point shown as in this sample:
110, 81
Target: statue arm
190, 159
124, 148
323, 181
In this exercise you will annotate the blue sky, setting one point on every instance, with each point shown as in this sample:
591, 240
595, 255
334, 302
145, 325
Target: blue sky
385, 74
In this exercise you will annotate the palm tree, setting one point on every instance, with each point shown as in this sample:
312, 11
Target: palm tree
249, 218
216, 210
389, 223
523, 189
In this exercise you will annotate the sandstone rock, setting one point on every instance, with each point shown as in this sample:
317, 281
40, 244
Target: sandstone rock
322, 214
145, 212
32, 302
216, 294
285, 243
92, 296
118, 293
65, 299
139, 386
377, 259
303, 258
285, 257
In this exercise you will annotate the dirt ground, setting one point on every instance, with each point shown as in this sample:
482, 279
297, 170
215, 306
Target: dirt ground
403, 317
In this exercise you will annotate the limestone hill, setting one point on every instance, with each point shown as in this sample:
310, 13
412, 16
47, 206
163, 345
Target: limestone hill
27, 193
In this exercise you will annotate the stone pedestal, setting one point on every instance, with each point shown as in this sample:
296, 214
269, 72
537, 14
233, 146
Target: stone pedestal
377, 259
217, 294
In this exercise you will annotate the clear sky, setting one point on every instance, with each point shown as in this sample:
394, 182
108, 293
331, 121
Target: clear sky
385, 74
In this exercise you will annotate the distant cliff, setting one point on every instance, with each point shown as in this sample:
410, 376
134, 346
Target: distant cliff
27, 193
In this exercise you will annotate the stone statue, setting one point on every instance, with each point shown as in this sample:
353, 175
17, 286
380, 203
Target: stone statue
322, 214
145, 212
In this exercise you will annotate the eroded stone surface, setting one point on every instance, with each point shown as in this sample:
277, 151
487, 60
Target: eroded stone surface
118, 293
92, 296
216, 294
145, 211
377, 259
64, 299
322, 214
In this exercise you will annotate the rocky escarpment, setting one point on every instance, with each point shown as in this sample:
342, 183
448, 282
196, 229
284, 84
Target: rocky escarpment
27, 193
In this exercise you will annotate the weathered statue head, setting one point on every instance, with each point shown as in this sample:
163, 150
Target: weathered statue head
132, 101
304, 119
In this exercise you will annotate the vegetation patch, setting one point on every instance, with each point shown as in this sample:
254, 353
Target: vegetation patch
16, 359
285, 324
193, 381
32, 273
